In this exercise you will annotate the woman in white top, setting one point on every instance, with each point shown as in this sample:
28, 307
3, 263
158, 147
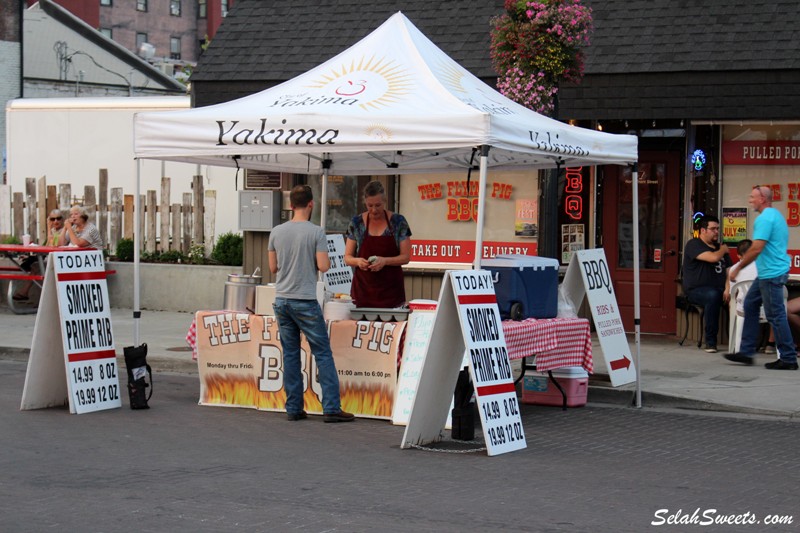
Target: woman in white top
80, 232
748, 273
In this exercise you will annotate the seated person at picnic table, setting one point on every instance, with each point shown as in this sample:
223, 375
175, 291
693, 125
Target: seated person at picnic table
705, 270
80, 232
55, 230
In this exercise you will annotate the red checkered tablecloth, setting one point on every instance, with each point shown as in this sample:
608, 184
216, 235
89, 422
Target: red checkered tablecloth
556, 342
191, 338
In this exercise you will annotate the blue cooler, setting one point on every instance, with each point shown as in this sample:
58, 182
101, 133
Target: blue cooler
526, 286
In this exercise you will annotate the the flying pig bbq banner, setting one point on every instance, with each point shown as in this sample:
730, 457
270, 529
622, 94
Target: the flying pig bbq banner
240, 363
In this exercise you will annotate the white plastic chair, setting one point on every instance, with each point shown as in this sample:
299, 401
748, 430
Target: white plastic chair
736, 317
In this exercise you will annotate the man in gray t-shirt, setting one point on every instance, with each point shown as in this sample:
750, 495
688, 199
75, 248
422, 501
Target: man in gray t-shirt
297, 251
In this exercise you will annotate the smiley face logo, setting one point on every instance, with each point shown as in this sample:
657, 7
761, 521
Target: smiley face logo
372, 82
352, 88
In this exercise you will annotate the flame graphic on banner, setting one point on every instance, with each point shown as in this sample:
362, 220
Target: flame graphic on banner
370, 400
360, 398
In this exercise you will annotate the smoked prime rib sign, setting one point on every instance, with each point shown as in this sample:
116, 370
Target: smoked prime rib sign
73, 335
467, 319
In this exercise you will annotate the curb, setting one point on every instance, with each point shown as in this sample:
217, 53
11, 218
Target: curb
604, 394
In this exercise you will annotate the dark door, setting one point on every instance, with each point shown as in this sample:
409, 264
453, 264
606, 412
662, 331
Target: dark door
658, 189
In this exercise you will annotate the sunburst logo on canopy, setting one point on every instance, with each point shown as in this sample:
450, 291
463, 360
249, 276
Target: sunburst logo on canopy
379, 132
452, 77
372, 82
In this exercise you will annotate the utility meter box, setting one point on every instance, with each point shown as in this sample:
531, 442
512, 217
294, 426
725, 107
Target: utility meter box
259, 210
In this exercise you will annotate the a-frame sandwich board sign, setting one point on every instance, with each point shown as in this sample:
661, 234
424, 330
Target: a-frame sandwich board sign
588, 274
73, 338
467, 319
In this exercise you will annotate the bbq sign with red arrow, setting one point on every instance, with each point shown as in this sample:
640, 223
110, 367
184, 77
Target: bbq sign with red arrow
592, 268
622, 362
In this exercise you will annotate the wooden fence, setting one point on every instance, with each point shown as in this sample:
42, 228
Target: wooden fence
163, 226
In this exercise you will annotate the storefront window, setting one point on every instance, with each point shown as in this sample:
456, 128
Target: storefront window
767, 155
342, 201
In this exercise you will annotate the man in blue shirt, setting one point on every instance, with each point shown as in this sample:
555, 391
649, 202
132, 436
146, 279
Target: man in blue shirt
769, 251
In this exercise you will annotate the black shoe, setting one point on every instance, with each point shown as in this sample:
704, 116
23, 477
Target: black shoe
780, 364
293, 417
710, 348
740, 358
341, 416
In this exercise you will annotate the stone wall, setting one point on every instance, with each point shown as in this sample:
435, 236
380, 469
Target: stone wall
170, 287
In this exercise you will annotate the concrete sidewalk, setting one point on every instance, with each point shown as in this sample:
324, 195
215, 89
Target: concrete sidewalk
672, 375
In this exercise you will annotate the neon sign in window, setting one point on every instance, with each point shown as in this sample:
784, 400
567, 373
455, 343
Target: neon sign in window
573, 199
698, 159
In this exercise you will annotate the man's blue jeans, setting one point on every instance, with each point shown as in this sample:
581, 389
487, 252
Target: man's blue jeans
769, 293
293, 317
711, 300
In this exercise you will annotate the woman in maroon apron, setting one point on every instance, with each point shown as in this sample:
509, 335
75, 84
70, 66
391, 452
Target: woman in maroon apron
378, 244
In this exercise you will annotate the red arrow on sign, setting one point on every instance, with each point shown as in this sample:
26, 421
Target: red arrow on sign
621, 363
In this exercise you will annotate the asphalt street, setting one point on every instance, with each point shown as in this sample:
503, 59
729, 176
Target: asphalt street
183, 467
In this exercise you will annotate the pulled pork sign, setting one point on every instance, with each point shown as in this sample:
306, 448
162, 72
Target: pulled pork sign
761, 152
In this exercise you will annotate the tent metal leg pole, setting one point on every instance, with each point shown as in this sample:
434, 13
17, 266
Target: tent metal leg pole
136, 247
636, 308
323, 201
481, 207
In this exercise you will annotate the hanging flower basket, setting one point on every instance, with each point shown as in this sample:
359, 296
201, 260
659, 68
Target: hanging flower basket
536, 45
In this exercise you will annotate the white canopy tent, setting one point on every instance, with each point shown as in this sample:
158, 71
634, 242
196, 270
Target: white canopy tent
393, 103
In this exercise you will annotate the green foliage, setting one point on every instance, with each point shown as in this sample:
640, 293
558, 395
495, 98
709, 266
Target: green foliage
229, 249
197, 254
125, 250
150, 257
11, 239
172, 256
